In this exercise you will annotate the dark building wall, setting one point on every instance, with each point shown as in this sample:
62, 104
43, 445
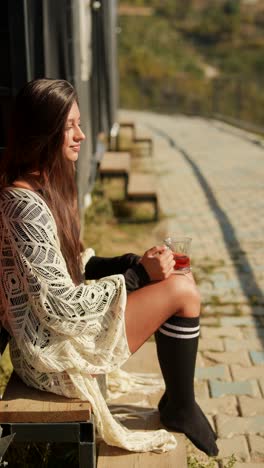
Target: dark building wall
13, 71
104, 77
67, 39
82, 79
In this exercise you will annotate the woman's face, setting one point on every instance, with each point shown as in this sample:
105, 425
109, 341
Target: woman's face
73, 135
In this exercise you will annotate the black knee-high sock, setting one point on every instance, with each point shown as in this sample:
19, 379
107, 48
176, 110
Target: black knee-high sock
185, 328
177, 344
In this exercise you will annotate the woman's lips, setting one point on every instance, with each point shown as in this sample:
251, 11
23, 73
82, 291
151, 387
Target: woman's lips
76, 148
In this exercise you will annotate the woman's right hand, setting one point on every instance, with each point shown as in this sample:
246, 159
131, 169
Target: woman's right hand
158, 262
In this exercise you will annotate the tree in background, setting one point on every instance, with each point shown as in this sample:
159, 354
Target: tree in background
195, 56
173, 9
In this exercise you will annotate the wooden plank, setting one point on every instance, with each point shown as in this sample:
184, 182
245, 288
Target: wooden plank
113, 457
143, 141
129, 125
144, 360
115, 162
141, 185
38, 406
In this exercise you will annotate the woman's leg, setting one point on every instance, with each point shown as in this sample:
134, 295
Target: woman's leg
148, 308
171, 309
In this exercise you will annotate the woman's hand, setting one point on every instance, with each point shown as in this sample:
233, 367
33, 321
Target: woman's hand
158, 262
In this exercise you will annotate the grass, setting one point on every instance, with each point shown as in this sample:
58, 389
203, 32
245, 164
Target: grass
43, 455
194, 462
5, 370
114, 226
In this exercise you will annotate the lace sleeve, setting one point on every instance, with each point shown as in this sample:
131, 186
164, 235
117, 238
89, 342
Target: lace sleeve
42, 273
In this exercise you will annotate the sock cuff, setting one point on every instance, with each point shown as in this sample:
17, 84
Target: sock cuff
187, 322
181, 327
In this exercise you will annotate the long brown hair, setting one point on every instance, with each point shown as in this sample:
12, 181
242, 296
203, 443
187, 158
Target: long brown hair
34, 154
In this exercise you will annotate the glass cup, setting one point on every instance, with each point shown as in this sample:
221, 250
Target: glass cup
180, 247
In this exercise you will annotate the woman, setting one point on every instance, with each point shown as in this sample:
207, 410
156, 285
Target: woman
65, 332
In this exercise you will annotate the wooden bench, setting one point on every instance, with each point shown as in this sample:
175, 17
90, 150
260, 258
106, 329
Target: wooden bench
146, 143
31, 415
142, 188
131, 126
116, 164
114, 136
141, 141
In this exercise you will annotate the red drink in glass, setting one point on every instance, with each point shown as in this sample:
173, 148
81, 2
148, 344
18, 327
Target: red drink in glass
180, 247
182, 261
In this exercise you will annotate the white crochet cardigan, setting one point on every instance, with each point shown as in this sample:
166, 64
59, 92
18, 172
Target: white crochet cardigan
62, 333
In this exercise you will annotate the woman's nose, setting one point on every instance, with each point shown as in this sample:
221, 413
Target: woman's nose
79, 135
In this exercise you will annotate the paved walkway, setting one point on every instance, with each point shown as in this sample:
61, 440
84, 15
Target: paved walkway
211, 187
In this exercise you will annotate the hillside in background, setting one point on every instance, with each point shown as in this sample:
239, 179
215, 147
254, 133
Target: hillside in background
196, 56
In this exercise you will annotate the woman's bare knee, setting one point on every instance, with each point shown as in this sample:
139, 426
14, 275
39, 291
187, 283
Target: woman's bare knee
185, 295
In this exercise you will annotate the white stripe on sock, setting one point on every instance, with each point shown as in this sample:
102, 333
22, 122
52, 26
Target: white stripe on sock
176, 335
184, 329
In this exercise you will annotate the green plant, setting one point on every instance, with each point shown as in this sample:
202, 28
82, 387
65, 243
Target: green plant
163, 59
193, 462
43, 455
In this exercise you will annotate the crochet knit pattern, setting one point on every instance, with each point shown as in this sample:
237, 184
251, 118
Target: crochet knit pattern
62, 334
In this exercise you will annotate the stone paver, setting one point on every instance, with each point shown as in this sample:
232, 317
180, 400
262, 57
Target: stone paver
249, 333
249, 310
199, 360
211, 188
257, 357
219, 389
228, 426
251, 406
238, 445
240, 321
214, 372
238, 357
244, 373
249, 465
261, 384
214, 344
235, 345
215, 332
201, 390
224, 405
213, 321
256, 444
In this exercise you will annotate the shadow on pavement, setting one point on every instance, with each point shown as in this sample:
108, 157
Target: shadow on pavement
250, 288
